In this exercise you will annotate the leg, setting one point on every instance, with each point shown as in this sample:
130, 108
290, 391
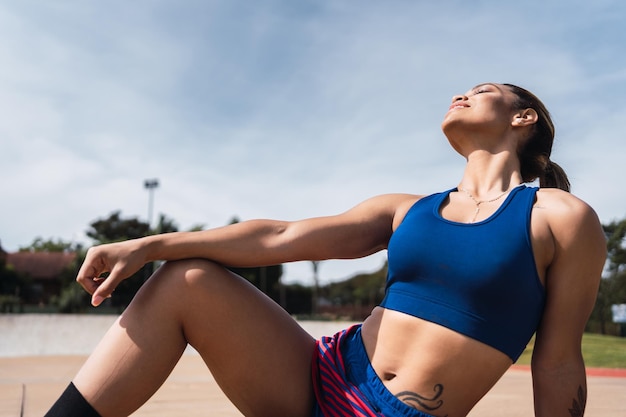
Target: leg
257, 353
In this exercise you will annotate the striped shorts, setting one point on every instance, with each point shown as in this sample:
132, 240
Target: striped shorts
345, 383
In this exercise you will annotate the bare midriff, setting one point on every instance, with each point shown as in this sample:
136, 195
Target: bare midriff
428, 366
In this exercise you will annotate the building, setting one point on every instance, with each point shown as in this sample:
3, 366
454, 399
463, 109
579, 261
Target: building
40, 273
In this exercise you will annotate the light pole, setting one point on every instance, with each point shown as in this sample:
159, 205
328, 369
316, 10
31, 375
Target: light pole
150, 185
316, 287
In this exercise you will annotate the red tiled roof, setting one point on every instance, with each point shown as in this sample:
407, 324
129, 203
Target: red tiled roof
41, 265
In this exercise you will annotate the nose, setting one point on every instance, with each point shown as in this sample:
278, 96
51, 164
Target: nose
459, 97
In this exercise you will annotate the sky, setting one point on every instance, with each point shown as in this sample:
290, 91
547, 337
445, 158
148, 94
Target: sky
283, 109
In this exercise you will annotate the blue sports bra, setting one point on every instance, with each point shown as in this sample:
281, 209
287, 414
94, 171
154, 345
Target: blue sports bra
478, 279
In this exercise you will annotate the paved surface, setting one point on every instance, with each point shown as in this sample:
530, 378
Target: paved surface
29, 385
40, 354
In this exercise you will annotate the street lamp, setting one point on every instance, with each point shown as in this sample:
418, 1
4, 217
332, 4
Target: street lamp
316, 287
150, 185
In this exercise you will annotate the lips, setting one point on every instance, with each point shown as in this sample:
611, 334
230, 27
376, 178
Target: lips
455, 106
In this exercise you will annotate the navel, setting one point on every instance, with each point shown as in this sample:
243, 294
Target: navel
388, 376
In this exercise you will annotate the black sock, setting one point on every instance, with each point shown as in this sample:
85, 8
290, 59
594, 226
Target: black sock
72, 404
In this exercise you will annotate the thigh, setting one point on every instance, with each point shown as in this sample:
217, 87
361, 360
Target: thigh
258, 354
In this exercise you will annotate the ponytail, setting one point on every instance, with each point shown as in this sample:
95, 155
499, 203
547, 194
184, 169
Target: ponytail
534, 152
554, 177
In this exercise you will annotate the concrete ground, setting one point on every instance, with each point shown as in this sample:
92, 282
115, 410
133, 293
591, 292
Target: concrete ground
39, 355
29, 385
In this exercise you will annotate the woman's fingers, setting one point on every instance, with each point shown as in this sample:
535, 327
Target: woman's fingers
115, 259
97, 299
105, 287
89, 275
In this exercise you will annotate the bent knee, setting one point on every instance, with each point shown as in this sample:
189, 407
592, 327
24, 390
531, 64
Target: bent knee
191, 264
191, 270
194, 274
193, 284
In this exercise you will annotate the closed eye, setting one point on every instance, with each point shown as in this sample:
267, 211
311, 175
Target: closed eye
484, 88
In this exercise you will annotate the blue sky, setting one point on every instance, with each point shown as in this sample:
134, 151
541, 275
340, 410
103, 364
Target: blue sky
283, 109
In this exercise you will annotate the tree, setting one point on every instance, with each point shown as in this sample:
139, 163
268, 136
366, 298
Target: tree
165, 225
11, 285
265, 278
51, 245
355, 297
66, 277
613, 284
115, 229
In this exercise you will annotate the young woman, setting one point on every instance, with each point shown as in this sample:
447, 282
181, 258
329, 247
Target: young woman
474, 272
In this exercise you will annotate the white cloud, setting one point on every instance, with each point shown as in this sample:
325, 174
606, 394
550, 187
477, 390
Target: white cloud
281, 109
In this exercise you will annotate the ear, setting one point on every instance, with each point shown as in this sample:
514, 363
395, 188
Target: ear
525, 117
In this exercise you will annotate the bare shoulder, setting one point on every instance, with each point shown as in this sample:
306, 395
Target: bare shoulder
396, 202
560, 201
564, 211
573, 274
574, 225
399, 205
392, 206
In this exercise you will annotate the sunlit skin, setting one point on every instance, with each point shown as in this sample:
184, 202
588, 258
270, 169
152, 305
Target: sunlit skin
484, 112
261, 357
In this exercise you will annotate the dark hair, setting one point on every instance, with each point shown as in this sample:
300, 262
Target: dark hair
534, 153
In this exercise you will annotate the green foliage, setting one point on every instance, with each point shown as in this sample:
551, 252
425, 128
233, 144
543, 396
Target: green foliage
613, 285
297, 300
10, 281
12, 286
165, 225
51, 245
616, 234
354, 298
362, 289
114, 229
73, 299
265, 278
196, 227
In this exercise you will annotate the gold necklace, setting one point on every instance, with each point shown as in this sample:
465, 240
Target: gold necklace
479, 202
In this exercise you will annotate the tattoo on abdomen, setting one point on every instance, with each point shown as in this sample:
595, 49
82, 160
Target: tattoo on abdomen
428, 403
578, 404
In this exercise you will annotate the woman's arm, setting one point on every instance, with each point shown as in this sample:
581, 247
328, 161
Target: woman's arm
572, 281
361, 231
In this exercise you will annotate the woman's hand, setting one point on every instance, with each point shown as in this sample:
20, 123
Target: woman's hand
120, 260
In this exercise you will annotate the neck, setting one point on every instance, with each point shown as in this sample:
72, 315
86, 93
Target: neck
488, 174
